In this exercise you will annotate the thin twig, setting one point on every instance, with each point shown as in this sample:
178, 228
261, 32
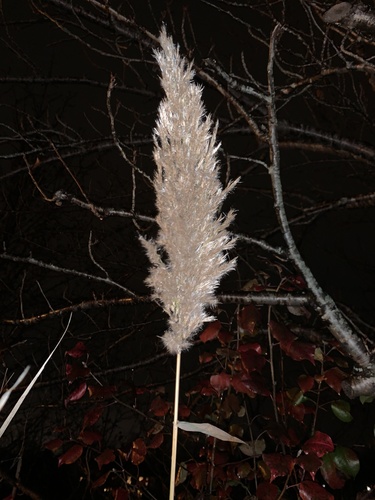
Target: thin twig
237, 106
64, 270
100, 212
111, 86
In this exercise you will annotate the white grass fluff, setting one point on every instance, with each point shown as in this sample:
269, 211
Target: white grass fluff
189, 255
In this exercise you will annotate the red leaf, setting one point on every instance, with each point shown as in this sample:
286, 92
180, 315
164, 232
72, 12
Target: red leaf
279, 434
89, 437
224, 492
267, 491
139, 451
309, 463
141, 390
92, 416
101, 480
334, 378
252, 361
299, 351
225, 337
183, 411
105, 458
203, 387
251, 346
249, 318
220, 382
282, 334
156, 441
54, 444
254, 383
298, 281
198, 473
308, 490
100, 392
206, 357
306, 382
292, 437
220, 457
278, 464
298, 412
75, 371
208, 390
120, 494
77, 351
159, 407
320, 444
71, 455
77, 394
240, 385
211, 332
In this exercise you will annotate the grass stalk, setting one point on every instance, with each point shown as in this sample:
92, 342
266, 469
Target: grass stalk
175, 427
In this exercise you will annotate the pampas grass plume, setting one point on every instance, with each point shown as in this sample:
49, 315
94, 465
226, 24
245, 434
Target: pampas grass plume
189, 254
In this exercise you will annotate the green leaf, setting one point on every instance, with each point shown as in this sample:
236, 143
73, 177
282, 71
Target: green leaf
346, 461
182, 474
296, 396
341, 409
366, 399
318, 355
330, 472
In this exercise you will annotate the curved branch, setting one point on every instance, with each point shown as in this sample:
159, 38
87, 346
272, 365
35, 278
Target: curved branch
337, 324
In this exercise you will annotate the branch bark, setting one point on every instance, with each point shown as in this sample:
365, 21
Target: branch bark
329, 312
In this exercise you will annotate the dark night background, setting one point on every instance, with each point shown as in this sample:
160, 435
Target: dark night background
57, 58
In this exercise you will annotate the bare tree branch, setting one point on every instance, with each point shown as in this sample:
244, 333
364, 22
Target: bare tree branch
338, 326
52, 267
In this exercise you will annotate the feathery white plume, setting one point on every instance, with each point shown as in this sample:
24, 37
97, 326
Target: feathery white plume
189, 254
